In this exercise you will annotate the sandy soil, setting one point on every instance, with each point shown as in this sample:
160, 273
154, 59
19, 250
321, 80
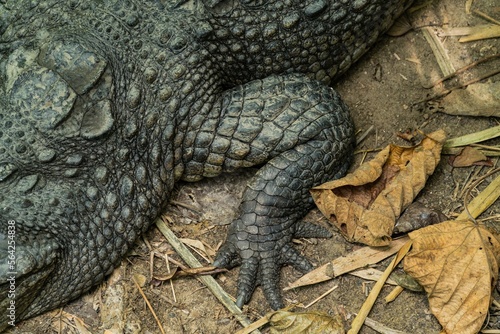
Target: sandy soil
381, 91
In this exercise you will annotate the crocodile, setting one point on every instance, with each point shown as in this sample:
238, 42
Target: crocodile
105, 105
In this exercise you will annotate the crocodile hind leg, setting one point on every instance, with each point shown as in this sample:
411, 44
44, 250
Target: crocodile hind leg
304, 132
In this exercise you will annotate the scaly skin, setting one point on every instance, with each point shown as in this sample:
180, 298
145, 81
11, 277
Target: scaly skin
104, 105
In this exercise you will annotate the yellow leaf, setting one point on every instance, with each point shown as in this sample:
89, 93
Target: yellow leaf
457, 265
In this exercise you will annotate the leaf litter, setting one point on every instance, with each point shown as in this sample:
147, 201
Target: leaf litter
456, 262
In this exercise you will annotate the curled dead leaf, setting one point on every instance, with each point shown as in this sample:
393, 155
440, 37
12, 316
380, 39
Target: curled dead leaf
365, 204
470, 156
305, 322
457, 265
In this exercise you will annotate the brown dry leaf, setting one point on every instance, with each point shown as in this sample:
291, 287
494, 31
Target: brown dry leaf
194, 243
365, 204
305, 322
470, 156
359, 258
199, 248
457, 265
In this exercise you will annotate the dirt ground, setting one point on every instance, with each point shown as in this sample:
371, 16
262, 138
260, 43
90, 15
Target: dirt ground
381, 90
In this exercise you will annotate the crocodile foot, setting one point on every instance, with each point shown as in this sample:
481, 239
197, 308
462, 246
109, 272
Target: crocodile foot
262, 258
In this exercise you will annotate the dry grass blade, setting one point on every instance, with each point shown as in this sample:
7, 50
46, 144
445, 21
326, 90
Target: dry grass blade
472, 138
485, 16
487, 147
439, 51
254, 326
468, 6
463, 85
321, 297
489, 151
484, 200
475, 33
261, 322
491, 31
393, 294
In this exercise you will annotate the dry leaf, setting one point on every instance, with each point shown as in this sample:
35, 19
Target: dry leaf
365, 204
194, 243
457, 265
305, 322
407, 282
470, 156
359, 258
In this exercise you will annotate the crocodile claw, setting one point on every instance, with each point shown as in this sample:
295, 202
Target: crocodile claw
262, 266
